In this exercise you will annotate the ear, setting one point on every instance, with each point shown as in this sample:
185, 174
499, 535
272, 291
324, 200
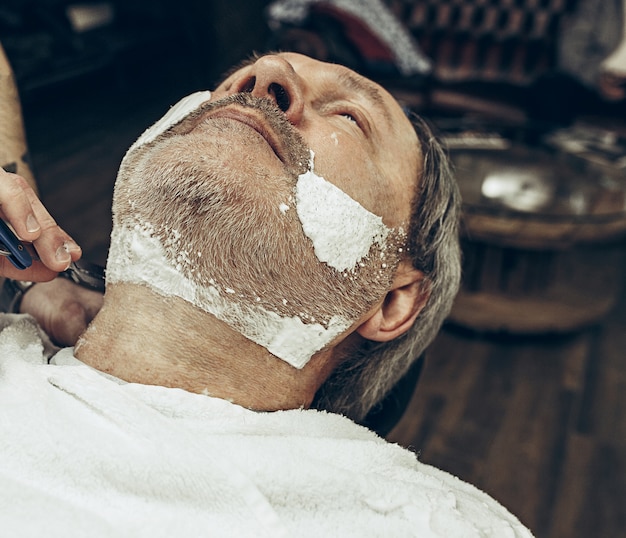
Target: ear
401, 306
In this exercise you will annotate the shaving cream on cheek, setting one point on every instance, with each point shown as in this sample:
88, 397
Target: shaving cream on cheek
175, 114
342, 230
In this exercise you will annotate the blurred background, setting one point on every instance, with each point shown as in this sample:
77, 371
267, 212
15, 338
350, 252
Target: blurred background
524, 392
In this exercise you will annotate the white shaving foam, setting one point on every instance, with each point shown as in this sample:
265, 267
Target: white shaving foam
175, 114
341, 229
137, 256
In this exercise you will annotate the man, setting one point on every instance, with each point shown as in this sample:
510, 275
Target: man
286, 242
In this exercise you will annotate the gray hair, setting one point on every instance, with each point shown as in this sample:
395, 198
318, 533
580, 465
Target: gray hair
363, 379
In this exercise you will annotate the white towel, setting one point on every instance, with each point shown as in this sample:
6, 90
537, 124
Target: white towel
82, 454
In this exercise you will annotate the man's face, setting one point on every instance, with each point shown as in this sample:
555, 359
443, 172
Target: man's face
362, 141
219, 192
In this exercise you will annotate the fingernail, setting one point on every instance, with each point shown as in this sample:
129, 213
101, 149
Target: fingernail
63, 254
31, 223
70, 245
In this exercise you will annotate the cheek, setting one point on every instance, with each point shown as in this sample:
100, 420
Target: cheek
350, 168
341, 229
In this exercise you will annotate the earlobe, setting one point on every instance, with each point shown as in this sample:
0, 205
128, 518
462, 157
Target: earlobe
401, 306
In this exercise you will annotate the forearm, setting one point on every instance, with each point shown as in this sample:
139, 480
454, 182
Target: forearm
13, 146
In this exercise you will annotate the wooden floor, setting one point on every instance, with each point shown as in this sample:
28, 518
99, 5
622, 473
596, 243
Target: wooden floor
540, 424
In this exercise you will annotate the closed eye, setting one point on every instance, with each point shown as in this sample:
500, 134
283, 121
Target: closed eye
347, 114
352, 117
349, 117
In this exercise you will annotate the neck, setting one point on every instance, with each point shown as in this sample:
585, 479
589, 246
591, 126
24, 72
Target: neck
142, 337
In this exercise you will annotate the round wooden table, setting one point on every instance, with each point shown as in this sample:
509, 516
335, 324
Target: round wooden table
542, 237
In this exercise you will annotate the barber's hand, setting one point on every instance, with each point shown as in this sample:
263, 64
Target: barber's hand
62, 308
21, 208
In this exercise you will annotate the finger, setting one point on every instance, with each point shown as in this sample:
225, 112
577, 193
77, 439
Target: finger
32, 222
16, 203
56, 249
37, 272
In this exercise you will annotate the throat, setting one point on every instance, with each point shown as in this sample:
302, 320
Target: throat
142, 337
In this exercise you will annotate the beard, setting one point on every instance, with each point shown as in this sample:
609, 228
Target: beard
222, 205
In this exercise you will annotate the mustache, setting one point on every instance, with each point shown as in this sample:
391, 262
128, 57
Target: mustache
296, 152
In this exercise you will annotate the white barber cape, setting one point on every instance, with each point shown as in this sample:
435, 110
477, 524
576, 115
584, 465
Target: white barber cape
85, 455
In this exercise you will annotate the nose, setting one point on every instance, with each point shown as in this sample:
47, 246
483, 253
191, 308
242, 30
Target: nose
274, 77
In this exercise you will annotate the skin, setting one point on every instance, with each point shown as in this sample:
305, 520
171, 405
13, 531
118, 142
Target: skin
365, 145
13, 148
227, 168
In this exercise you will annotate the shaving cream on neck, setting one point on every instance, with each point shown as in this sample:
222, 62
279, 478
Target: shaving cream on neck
137, 256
